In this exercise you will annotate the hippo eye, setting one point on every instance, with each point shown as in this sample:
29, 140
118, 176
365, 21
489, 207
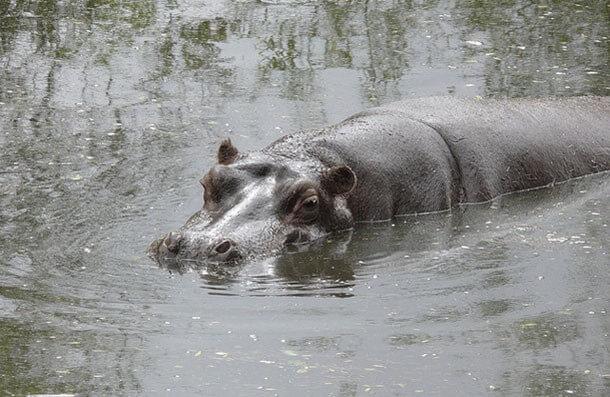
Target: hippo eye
311, 203
302, 206
309, 209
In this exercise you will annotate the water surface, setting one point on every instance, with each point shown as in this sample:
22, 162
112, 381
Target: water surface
110, 111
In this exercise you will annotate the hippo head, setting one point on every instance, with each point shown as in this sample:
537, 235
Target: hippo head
255, 205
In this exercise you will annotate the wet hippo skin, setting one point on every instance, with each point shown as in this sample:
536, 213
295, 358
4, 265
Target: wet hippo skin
412, 156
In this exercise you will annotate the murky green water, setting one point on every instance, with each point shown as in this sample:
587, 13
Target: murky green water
110, 110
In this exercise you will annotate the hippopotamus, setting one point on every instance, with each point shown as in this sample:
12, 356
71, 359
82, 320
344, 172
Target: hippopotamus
413, 156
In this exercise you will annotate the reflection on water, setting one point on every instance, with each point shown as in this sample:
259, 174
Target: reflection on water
111, 110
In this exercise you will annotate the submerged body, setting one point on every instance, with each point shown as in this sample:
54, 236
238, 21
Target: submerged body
406, 157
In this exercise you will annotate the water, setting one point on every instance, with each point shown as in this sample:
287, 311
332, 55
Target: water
111, 110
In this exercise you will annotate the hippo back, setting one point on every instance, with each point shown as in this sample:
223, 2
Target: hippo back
503, 146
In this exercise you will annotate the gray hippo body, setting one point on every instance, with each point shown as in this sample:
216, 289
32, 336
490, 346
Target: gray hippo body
412, 156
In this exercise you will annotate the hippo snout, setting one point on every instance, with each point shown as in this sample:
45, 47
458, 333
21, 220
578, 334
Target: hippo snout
177, 246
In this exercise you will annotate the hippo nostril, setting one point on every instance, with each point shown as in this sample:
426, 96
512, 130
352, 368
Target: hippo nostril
223, 246
172, 241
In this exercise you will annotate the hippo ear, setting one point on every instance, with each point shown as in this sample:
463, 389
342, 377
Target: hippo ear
338, 180
227, 153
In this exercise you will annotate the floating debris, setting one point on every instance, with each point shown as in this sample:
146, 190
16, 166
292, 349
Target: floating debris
551, 238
